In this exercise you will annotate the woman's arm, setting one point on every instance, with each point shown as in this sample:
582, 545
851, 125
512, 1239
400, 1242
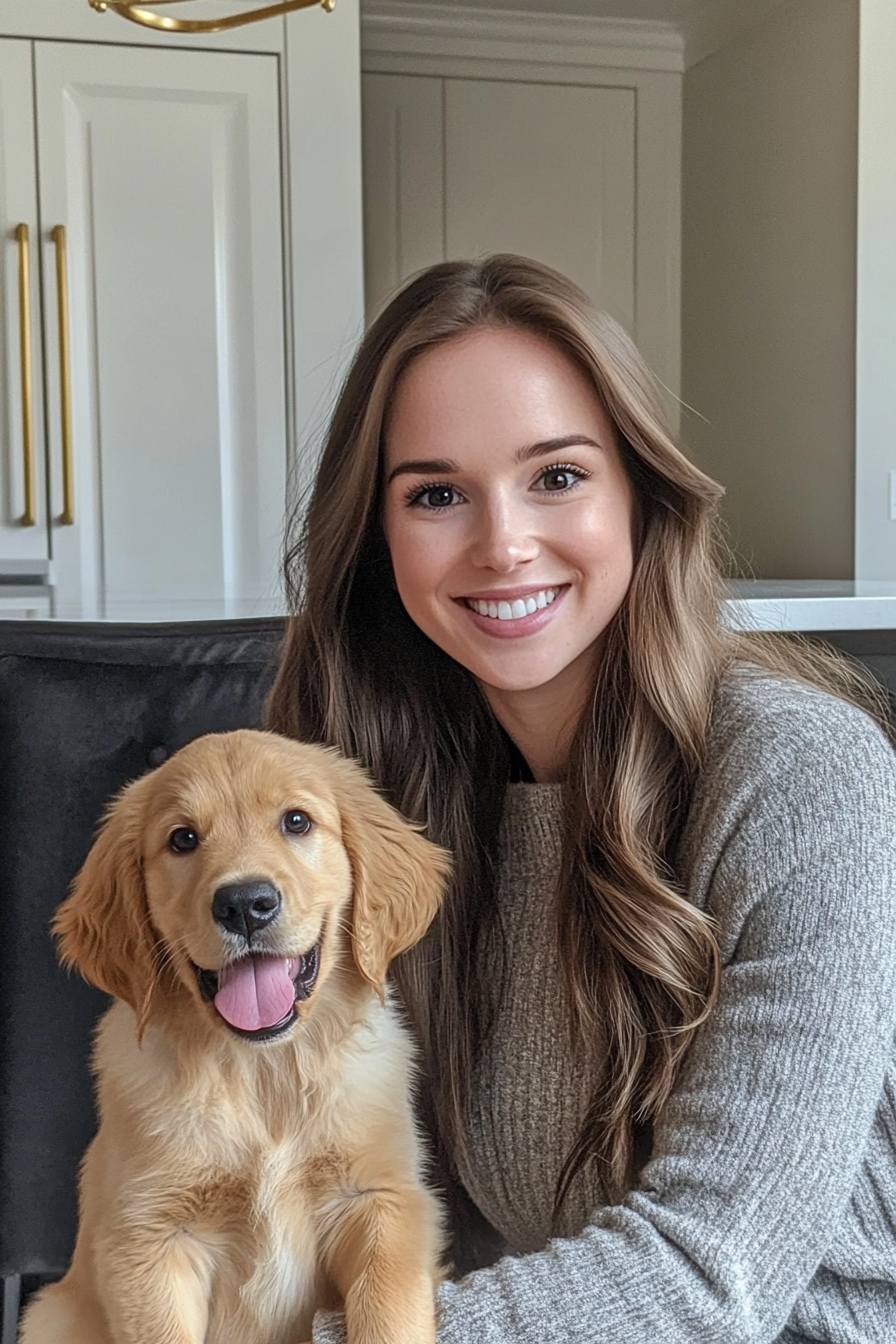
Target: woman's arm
761, 1147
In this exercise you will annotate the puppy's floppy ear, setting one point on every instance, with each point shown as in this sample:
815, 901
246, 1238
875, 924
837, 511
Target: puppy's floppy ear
103, 928
399, 877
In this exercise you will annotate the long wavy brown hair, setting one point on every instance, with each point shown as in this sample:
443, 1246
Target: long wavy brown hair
641, 963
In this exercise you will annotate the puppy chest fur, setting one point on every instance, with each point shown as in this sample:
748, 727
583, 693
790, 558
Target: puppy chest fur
240, 1175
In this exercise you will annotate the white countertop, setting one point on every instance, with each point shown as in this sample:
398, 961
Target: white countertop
813, 604
39, 603
804, 604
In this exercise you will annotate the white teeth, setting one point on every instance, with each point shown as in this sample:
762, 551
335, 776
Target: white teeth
514, 611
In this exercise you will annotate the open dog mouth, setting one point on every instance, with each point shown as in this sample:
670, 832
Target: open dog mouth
257, 995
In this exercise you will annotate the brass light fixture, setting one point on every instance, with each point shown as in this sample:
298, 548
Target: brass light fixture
146, 17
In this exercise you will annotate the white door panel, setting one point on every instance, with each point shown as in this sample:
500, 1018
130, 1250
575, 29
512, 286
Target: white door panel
547, 171
404, 187
462, 167
164, 167
20, 538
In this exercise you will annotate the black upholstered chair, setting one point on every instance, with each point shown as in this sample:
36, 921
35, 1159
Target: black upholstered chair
83, 709
875, 648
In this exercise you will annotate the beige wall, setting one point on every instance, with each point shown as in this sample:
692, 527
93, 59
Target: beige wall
769, 284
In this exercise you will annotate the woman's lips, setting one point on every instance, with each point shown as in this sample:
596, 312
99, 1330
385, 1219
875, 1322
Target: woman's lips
517, 627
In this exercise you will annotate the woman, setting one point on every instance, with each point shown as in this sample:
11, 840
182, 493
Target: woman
657, 1011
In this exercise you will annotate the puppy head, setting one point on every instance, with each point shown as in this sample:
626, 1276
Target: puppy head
233, 874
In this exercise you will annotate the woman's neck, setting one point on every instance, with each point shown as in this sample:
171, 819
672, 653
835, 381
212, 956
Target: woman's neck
541, 721
546, 759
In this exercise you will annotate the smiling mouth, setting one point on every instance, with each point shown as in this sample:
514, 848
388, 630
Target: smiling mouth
518, 608
256, 996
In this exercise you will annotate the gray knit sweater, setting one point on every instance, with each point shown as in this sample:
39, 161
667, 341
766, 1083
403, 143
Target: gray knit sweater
767, 1211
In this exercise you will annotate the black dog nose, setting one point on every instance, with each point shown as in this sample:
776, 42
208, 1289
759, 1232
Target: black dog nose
243, 907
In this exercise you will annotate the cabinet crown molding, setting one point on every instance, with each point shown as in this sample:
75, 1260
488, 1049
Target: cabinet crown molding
408, 29
437, 29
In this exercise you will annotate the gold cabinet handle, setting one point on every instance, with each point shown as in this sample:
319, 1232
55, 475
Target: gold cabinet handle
128, 10
29, 517
67, 516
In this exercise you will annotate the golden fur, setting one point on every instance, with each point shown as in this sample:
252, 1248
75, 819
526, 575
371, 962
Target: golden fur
234, 1186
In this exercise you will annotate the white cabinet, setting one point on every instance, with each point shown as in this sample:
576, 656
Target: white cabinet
549, 171
23, 517
404, 180
517, 132
462, 167
164, 347
183, 354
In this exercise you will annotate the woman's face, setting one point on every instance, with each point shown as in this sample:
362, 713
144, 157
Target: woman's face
507, 513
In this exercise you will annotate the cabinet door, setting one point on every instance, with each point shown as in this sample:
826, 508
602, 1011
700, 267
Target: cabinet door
23, 514
461, 167
404, 181
164, 166
546, 170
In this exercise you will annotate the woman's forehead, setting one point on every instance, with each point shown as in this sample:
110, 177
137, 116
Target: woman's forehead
498, 388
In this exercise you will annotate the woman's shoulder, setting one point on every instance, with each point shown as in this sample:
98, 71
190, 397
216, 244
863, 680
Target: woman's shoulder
793, 814
766, 720
787, 767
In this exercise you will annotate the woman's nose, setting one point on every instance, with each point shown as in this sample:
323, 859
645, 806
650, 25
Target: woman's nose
502, 539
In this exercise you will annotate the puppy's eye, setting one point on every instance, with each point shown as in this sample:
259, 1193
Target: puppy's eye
296, 823
183, 841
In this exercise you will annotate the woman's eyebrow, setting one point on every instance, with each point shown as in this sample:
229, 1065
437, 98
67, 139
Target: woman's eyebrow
443, 466
545, 446
437, 466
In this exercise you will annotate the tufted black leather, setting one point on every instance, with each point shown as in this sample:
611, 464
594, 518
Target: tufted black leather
83, 709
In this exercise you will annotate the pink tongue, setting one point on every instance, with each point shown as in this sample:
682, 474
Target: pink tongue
255, 992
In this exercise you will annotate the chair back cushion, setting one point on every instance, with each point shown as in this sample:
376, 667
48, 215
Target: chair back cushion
84, 709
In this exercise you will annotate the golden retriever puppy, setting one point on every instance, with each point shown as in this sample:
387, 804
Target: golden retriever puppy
256, 1156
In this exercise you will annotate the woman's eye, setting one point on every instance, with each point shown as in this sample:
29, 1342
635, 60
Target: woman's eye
433, 496
183, 840
555, 479
296, 823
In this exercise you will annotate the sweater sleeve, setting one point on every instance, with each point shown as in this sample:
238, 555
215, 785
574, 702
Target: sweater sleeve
759, 1147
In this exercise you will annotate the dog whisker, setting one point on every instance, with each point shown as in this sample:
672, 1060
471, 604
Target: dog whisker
163, 956
172, 946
